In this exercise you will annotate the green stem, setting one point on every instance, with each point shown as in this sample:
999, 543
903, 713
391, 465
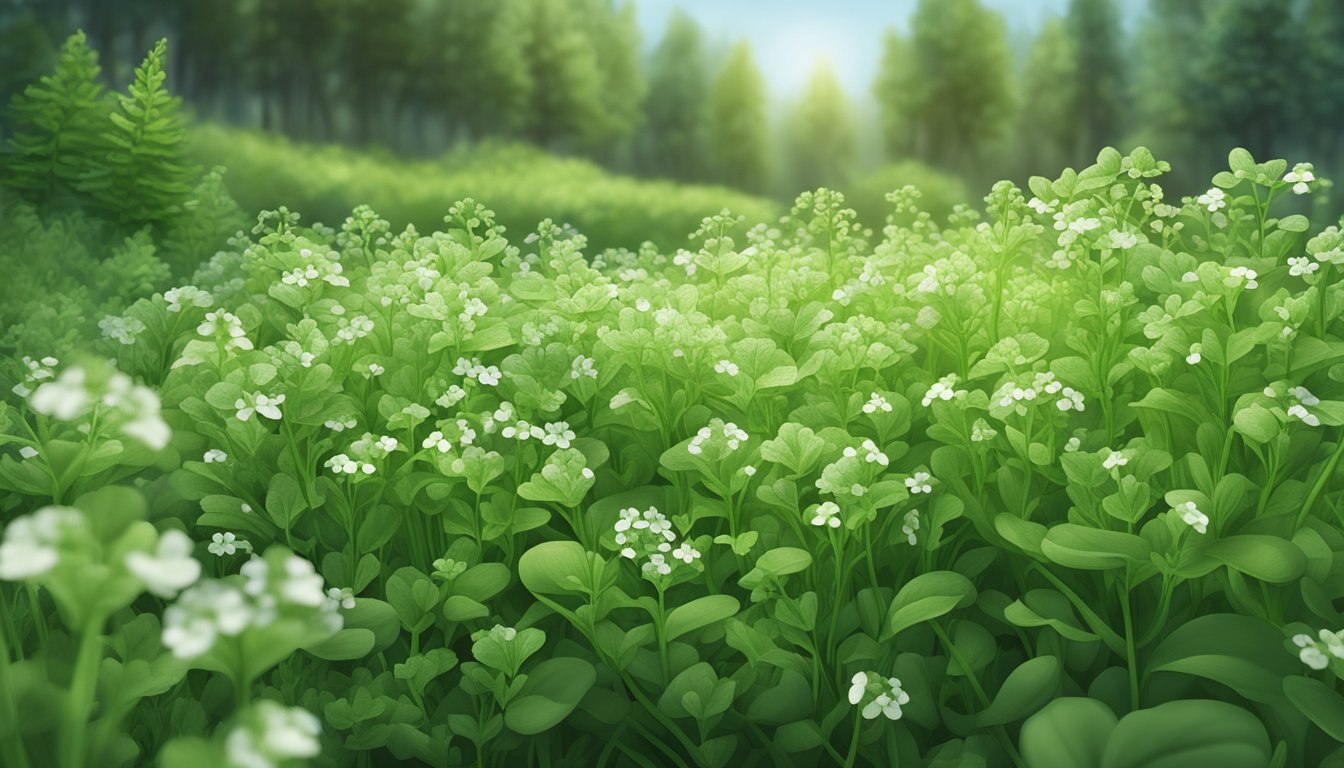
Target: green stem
79, 700
1130, 656
1324, 477
11, 748
853, 751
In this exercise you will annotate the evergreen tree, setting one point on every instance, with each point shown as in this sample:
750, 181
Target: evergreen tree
1099, 82
675, 135
616, 38
898, 90
57, 125
143, 176
961, 67
738, 128
1048, 124
1170, 48
1324, 80
821, 135
1249, 75
566, 103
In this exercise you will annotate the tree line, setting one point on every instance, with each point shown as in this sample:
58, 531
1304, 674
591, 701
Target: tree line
575, 76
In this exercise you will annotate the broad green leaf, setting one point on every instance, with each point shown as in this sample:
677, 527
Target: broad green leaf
1319, 702
927, 596
1192, 733
1267, 558
699, 613
1067, 733
552, 690
1026, 690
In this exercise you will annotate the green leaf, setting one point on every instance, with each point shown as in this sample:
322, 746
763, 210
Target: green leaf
1267, 558
1193, 733
1093, 549
559, 567
1027, 689
1257, 424
699, 613
552, 690
349, 643
1241, 160
1295, 223
1317, 701
796, 448
1242, 652
782, 561
1067, 733
926, 597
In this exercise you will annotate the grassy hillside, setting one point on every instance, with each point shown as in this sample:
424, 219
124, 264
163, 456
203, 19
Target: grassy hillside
522, 184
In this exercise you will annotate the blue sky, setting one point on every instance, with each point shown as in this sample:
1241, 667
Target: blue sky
789, 36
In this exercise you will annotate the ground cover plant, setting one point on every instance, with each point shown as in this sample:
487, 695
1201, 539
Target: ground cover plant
1055, 485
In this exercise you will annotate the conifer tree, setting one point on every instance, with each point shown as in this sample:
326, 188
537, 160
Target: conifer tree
674, 142
566, 98
616, 39
738, 127
822, 140
1048, 126
143, 176
1098, 84
57, 125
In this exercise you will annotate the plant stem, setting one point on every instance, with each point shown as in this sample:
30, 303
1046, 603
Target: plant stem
79, 701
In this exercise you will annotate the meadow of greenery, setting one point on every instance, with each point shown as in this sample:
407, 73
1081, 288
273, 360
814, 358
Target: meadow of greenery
1051, 483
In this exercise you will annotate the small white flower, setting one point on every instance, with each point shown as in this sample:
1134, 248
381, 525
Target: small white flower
27, 452
876, 402
170, 568
1214, 200
1299, 266
725, 366
582, 367
858, 686
222, 544
276, 735
1243, 277
826, 514
1070, 399
1073, 444
264, 405
1195, 354
943, 389
1191, 516
685, 553
342, 596
749, 471
1301, 177
910, 526
1114, 459
30, 546
215, 456
919, 483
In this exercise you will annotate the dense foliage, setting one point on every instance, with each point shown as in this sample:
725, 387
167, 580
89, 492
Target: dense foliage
526, 183
1058, 487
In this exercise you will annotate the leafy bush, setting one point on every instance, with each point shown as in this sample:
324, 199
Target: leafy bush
939, 193
1056, 488
524, 183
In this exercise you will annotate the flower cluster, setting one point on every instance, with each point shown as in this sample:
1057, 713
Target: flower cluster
79, 391
877, 695
272, 735
226, 329
649, 535
719, 436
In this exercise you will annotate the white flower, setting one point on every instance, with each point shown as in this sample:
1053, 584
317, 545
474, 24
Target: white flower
264, 405
27, 452
858, 685
66, 398
224, 325
1299, 266
201, 614
222, 544
170, 568
187, 295
582, 367
342, 596
919, 483
1195, 354
1114, 459
910, 526
215, 456
1121, 240
1191, 516
826, 514
685, 553
558, 434
375, 370
342, 464
1317, 653
981, 431
275, 735
749, 471
437, 441
725, 366
1301, 177
339, 425
30, 546
1214, 200
122, 330
876, 402
1299, 411
1073, 444
1243, 277
943, 389
1070, 399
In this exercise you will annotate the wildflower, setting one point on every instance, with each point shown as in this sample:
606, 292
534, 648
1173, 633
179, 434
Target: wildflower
877, 402
343, 596
452, 396
878, 695
375, 370
1073, 444
981, 431
222, 544
558, 434
920, 482
910, 525
225, 326
686, 553
521, 430
1317, 653
1301, 177
264, 405
1191, 516
170, 568
27, 452
437, 441
1214, 200
203, 613
272, 735
1121, 240
1195, 353
31, 544
1041, 207
724, 366
1300, 266
1114, 459
342, 464
1070, 399
340, 425
1242, 277
749, 471
582, 367
215, 456
826, 514
37, 371
717, 434
943, 389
